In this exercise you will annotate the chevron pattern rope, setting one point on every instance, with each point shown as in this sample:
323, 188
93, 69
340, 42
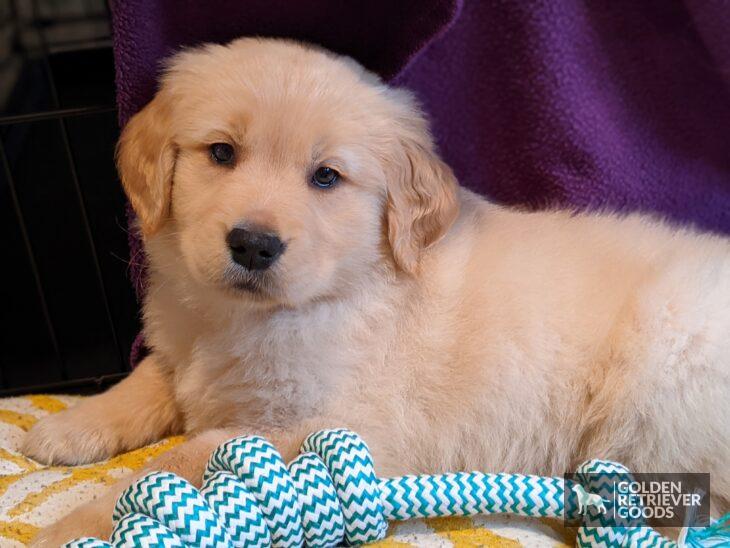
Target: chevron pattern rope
329, 495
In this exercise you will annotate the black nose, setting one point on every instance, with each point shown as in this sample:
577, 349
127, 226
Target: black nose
252, 249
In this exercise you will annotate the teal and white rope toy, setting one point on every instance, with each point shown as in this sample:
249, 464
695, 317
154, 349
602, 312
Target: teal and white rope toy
329, 496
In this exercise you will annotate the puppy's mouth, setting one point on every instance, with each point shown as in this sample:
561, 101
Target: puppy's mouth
252, 286
255, 284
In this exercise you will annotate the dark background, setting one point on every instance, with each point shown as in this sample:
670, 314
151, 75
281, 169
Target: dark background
69, 312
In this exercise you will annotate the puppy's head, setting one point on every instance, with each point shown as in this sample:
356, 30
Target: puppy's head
282, 172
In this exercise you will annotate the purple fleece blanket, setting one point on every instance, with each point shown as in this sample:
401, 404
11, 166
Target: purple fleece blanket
610, 104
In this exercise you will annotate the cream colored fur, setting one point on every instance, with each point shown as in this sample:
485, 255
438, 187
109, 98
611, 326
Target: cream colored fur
450, 332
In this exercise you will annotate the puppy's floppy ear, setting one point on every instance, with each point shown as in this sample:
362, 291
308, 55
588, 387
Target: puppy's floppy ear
423, 199
146, 159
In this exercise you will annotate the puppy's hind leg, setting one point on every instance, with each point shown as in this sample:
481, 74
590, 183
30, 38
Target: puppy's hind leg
187, 460
95, 517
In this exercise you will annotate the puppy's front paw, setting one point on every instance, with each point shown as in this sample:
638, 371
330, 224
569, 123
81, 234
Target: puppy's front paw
89, 520
69, 438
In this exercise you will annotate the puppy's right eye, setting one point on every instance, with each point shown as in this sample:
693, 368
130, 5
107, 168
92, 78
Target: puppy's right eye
222, 153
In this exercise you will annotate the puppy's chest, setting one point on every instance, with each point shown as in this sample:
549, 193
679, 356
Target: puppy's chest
264, 376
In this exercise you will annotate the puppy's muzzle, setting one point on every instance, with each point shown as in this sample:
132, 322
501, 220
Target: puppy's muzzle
254, 249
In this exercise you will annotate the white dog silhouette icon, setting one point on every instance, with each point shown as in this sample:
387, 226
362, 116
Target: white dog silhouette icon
586, 500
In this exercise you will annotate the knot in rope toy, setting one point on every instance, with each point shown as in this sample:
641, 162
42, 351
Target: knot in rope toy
329, 495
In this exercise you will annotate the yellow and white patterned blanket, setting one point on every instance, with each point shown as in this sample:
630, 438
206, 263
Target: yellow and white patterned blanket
33, 496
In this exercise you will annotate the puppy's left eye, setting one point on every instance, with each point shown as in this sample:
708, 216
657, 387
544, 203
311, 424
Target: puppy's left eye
325, 177
222, 153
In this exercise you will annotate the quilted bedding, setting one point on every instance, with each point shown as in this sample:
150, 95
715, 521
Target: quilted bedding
33, 496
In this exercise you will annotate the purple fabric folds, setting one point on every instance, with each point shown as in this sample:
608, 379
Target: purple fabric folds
382, 34
612, 105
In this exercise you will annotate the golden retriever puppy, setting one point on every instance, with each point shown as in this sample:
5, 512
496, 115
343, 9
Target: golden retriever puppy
314, 263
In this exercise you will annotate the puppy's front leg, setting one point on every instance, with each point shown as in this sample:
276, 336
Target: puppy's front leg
187, 460
139, 410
